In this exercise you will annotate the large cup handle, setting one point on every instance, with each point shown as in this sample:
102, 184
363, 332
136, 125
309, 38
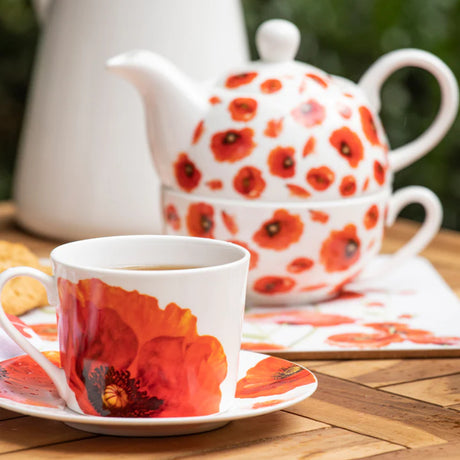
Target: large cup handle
429, 228
55, 373
371, 83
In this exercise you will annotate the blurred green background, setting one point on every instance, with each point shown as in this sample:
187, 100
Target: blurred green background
343, 37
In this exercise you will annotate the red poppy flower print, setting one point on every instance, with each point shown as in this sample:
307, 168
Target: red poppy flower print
309, 147
348, 186
299, 265
379, 172
274, 128
341, 250
362, 340
215, 184
200, 220
319, 216
296, 190
46, 331
272, 285
313, 287
243, 108
344, 110
229, 222
234, 81
348, 144
232, 145
371, 217
161, 366
262, 404
272, 376
320, 178
188, 176
369, 128
24, 381
300, 317
366, 184
317, 79
249, 182
198, 132
19, 324
261, 346
254, 260
215, 100
272, 85
281, 162
309, 113
172, 217
279, 232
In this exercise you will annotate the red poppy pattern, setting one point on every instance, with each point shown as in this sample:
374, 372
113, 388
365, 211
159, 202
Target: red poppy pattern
161, 367
341, 250
272, 285
319, 216
279, 232
320, 178
215, 184
281, 162
235, 81
200, 220
309, 113
243, 109
272, 377
348, 186
272, 85
371, 217
321, 81
369, 128
172, 217
229, 222
297, 191
309, 147
249, 182
300, 317
299, 265
198, 132
348, 145
187, 174
232, 145
379, 172
274, 128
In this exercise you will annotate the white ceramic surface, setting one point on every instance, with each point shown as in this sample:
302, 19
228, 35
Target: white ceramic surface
102, 309
83, 168
303, 252
277, 129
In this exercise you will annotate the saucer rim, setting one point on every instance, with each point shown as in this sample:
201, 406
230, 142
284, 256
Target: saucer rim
66, 415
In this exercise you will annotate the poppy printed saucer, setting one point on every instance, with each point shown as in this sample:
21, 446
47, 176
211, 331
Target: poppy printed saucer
266, 384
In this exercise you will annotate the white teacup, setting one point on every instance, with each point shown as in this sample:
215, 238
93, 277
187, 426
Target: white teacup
141, 333
303, 252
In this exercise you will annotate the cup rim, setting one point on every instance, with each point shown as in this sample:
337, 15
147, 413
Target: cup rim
57, 257
314, 205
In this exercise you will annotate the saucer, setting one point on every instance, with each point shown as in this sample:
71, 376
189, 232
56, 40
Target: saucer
266, 384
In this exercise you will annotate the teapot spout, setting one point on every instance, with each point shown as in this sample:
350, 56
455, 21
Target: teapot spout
173, 103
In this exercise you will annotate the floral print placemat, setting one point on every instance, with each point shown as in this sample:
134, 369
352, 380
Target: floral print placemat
410, 313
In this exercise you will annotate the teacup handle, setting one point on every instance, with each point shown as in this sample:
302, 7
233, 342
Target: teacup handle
371, 83
429, 228
55, 373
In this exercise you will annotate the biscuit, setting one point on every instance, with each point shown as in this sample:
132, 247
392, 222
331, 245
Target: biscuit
23, 293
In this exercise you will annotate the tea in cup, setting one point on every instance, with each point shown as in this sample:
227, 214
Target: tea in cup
149, 326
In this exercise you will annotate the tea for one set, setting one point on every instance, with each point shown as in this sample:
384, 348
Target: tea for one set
285, 174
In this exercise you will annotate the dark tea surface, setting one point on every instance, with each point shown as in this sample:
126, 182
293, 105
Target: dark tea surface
158, 267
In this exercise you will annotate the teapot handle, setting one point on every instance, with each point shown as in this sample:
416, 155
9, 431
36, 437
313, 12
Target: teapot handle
371, 83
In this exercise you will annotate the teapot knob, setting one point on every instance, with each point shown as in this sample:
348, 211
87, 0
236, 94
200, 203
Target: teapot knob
277, 40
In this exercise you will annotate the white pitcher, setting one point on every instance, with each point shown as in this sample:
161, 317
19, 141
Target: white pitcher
83, 167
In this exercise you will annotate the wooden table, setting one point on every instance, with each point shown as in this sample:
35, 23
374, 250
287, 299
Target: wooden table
382, 409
